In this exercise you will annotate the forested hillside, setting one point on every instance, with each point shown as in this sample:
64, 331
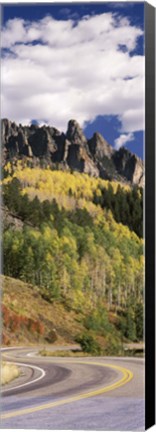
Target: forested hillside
80, 243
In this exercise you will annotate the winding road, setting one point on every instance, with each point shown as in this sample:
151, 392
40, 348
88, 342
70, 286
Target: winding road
79, 393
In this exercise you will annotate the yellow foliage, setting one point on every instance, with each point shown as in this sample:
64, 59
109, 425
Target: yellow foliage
79, 300
70, 191
48, 184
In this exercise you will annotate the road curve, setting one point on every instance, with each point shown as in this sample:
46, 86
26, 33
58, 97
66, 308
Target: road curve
74, 393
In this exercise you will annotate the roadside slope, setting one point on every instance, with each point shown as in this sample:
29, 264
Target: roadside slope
44, 322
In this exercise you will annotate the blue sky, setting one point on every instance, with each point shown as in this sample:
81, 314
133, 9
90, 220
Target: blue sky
83, 61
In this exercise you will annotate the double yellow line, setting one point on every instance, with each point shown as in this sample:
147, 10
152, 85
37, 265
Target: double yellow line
127, 376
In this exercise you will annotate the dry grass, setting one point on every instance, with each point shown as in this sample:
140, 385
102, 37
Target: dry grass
60, 353
8, 372
19, 298
25, 300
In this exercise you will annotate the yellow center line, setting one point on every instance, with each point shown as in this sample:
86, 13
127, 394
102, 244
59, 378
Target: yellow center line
127, 376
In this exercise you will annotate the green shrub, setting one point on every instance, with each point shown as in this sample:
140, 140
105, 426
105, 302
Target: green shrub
127, 325
139, 319
98, 321
113, 345
51, 336
131, 326
88, 344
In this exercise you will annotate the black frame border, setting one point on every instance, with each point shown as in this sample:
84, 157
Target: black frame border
149, 216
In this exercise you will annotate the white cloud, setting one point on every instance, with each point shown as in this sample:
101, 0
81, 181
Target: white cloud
123, 139
72, 71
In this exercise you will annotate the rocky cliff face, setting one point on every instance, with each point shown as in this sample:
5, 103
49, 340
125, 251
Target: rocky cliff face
47, 146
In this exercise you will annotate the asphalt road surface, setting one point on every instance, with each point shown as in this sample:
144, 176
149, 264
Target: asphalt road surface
85, 393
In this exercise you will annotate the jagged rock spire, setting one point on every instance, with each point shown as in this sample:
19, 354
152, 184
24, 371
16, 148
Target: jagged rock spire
99, 147
75, 133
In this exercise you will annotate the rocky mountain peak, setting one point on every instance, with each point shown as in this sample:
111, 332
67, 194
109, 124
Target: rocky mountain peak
72, 150
75, 133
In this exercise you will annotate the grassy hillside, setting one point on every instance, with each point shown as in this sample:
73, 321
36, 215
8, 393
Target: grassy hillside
45, 323
29, 319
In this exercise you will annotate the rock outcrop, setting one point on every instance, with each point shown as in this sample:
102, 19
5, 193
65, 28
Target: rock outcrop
128, 165
47, 145
99, 147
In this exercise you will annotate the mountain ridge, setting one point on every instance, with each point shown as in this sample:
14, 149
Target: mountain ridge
70, 151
